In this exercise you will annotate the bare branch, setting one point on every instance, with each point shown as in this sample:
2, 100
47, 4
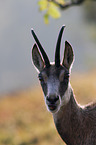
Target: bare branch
68, 4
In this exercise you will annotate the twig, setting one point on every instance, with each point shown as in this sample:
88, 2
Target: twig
68, 4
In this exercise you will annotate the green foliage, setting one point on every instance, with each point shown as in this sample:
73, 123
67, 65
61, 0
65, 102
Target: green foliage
50, 9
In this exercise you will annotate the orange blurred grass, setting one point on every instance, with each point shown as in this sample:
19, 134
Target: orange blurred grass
84, 86
24, 119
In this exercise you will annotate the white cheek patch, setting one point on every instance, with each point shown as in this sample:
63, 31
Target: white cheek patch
46, 103
65, 99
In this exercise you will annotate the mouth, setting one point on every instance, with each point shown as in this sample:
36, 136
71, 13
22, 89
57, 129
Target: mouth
52, 107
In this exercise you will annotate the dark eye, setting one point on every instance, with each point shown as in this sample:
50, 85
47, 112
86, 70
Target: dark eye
40, 78
66, 76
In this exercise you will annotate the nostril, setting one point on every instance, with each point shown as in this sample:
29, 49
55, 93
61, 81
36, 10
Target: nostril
56, 98
48, 99
52, 100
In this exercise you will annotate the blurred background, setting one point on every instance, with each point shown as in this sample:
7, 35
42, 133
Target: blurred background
21, 98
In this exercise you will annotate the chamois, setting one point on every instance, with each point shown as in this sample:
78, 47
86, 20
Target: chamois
75, 124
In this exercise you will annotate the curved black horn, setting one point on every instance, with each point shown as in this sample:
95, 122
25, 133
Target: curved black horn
47, 62
57, 52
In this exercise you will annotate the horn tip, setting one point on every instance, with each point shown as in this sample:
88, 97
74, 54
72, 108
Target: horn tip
32, 31
63, 26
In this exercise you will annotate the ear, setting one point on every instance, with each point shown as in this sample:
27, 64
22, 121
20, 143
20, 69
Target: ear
68, 55
37, 58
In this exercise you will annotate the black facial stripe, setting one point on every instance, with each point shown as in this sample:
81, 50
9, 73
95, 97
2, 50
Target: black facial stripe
43, 84
63, 86
44, 88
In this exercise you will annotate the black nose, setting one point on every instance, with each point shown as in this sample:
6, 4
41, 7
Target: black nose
52, 99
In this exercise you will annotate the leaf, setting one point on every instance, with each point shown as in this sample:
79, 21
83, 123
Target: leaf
43, 4
53, 11
50, 8
46, 18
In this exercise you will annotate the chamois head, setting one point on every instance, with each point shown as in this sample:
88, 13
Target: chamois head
54, 77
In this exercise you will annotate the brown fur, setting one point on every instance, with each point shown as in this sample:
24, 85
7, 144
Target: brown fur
76, 125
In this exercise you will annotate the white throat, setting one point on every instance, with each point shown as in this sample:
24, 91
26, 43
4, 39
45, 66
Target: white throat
65, 99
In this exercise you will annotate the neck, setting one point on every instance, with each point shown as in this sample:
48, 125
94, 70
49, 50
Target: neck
67, 120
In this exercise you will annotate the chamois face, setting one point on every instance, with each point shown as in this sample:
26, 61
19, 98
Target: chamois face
54, 82
54, 78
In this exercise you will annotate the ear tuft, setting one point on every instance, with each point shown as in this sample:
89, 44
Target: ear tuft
68, 55
37, 58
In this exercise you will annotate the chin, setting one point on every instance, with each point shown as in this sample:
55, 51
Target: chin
53, 109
